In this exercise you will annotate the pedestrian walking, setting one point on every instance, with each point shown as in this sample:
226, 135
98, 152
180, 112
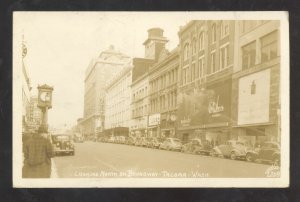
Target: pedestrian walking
37, 156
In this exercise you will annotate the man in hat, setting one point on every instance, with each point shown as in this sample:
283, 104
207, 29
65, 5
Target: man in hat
37, 155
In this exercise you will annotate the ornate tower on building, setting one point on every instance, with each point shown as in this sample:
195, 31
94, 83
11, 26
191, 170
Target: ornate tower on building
155, 43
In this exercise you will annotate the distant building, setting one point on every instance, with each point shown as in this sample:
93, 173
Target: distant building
35, 114
163, 77
79, 127
256, 82
97, 75
140, 106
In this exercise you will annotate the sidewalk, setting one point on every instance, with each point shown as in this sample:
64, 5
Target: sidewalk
53, 169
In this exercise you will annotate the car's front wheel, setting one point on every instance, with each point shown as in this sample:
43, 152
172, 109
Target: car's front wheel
249, 157
233, 156
213, 153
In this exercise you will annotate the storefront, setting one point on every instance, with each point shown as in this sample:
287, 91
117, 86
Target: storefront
168, 124
205, 113
154, 125
118, 131
139, 127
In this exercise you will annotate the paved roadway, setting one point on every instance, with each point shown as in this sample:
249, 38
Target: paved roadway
95, 159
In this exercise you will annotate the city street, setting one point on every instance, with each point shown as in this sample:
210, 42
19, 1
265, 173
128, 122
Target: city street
95, 159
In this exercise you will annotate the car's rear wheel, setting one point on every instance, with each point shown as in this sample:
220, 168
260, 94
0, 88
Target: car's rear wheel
232, 156
276, 161
249, 158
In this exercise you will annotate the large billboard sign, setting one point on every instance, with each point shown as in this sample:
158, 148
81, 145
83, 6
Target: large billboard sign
254, 98
205, 106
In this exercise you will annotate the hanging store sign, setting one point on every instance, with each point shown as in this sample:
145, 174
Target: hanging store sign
154, 119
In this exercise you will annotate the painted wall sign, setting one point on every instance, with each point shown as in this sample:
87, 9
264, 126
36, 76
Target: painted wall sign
206, 106
254, 98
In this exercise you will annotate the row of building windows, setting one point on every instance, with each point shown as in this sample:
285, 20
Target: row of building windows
224, 31
197, 70
140, 111
117, 117
164, 102
139, 94
164, 80
268, 50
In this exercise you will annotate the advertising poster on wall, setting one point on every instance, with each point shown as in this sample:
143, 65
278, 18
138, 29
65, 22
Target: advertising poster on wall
205, 106
254, 98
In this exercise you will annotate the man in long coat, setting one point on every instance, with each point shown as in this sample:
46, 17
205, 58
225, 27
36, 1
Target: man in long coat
37, 156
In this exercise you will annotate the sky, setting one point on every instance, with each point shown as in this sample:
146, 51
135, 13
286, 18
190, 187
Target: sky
60, 46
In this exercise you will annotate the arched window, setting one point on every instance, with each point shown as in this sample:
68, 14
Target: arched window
213, 33
224, 29
194, 45
186, 52
201, 41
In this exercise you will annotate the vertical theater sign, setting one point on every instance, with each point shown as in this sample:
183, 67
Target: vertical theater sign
205, 113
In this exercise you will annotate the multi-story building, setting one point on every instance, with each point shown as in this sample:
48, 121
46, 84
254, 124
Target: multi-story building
206, 64
117, 103
140, 106
35, 114
163, 78
154, 45
26, 88
97, 75
256, 81
126, 107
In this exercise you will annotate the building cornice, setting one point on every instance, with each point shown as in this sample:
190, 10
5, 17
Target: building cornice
173, 54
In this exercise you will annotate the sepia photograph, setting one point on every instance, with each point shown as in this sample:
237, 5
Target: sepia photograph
151, 99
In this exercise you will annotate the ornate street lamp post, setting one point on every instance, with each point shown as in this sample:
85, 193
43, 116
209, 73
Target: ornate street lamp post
45, 103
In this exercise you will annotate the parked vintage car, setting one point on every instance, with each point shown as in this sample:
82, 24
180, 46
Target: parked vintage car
112, 139
62, 143
130, 140
121, 140
269, 152
78, 137
232, 149
138, 141
149, 141
103, 139
143, 142
171, 144
196, 146
153, 142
